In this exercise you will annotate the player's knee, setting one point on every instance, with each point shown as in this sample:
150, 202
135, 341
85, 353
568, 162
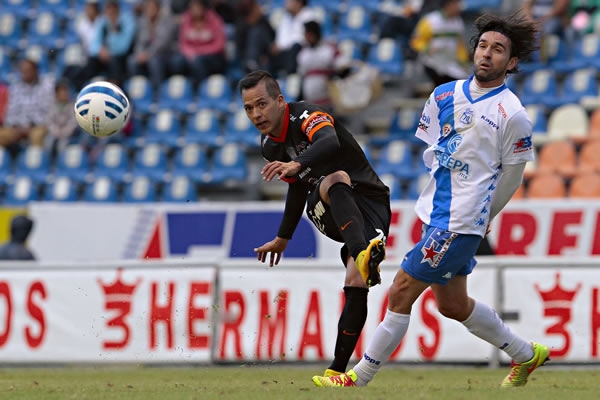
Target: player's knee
336, 177
453, 310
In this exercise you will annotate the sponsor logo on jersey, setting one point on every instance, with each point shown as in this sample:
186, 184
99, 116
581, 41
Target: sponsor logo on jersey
434, 250
523, 145
490, 122
454, 142
447, 161
446, 130
316, 121
467, 116
444, 95
501, 110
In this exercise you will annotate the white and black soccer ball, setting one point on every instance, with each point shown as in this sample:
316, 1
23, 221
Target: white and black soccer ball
101, 109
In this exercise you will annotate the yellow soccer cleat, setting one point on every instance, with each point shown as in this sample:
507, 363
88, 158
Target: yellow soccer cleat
330, 372
343, 380
368, 262
520, 372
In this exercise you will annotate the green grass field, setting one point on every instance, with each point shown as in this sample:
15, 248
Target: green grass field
283, 382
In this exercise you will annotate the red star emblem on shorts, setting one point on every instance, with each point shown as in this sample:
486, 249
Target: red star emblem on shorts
429, 254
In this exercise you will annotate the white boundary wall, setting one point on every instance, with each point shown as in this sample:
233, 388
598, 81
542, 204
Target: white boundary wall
241, 311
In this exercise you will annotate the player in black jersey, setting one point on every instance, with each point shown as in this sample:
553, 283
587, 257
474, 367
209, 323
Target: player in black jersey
327, 170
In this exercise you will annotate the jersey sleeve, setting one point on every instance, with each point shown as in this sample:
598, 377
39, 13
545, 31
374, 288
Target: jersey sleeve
517, 146
429, 125
317, 121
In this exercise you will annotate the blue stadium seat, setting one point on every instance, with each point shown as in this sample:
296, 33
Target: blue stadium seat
479, 5
404, 125
112, 162
150, 161
387, 57
326, 19
579, 84
73, 162
141, 189
392, 182
141, 94
215, 93
177, 93
11, 30
34, 162
63, 188
228, 165
539, 87
190, 160
539, 122
203, 127
239, 129
350, 49
21, 191
586, 53
102, 190
396, 158
331, 6
416, 185
19, 8
355, 24
44, 31
72, 55
5, 63
290, 87
164, 127
180, 189
58, 7
6, 168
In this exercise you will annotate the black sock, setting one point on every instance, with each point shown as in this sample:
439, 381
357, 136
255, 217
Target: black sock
347, 216
350, 325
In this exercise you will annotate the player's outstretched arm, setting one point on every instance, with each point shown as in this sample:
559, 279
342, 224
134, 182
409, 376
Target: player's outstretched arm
275, 247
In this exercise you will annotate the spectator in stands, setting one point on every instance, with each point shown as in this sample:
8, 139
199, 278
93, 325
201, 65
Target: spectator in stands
15, 249
111, 44
550, 14
3, 100
580, 14
439, 41
254, 36
400, 21
202, 42
289, 36
154, 43
318, 61
62, 123
28, 107
88, 24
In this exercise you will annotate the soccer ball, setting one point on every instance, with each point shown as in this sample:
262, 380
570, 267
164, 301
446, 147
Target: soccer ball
101, 109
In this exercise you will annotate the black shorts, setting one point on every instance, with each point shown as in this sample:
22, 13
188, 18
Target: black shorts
375, 210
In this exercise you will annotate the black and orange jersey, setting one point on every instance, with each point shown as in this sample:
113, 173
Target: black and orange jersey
312, 137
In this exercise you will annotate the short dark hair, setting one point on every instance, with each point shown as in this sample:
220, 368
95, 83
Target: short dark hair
255, 77
520, 30
313, 27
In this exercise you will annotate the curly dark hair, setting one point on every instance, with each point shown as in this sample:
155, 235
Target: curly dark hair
522, 32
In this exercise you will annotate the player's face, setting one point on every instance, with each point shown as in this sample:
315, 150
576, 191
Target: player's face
492, 59
265, 113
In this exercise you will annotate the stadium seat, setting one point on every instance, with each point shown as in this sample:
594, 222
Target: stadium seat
150, 161
44, 31
5, 63
141, 189
392, 182
58, 7
585, 54
355, 24
63, 188
540, 87
180, 189
21, 191
72, 55
396, 158
290, 87
478, 5
215, 93
577, 86
387, 57
228, 165
112, 162
164, 127
330, 6
6, 169
585, 186
73, 162
558, 157
416, 186
103, 189
141, 94
326, 19
568, 121
404, 125
203, 127
34, 162
177, 93
350, 49
589, 160
239, 129
556, 49
11, 30
18, 8
191, 161
545, 186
